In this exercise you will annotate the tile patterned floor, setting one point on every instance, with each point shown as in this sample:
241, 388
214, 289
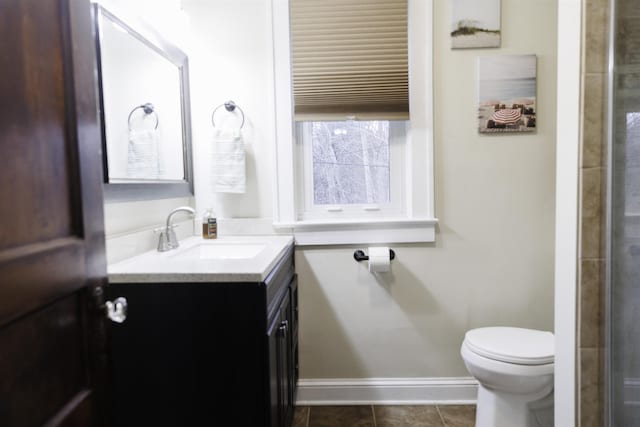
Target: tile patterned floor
385, 416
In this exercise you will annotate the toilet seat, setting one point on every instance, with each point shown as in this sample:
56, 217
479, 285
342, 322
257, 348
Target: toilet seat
512, 345
500, 368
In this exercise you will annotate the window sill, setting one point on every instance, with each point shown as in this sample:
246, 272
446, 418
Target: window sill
352, 232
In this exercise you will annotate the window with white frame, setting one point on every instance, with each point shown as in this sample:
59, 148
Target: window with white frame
353, 120
350, 169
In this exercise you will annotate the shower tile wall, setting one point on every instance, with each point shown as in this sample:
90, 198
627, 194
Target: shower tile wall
593, 185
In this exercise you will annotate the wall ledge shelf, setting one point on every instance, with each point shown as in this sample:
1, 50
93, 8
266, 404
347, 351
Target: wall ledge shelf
352, 232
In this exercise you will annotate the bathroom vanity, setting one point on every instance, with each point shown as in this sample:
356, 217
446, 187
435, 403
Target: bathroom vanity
210, 337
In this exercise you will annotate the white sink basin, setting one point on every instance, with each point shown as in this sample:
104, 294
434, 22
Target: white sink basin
246, 259
220, 250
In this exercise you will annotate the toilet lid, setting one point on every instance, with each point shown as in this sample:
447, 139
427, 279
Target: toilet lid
512, 345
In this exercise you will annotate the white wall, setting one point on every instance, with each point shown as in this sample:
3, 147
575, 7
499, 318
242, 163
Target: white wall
492, 263
230, 60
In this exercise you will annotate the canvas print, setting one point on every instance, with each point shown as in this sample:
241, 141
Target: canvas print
507, 93
475, 23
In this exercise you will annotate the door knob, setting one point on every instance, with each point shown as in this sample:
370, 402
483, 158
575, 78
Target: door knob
117, 309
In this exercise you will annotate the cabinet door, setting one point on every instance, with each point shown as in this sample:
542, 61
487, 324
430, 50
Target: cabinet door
280, 365
154, 369
285, 361
293, 341
273, 338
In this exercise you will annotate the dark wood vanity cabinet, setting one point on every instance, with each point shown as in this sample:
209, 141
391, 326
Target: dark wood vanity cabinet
207, 354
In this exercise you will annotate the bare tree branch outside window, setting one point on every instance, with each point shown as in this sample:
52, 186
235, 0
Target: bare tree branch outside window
350, 162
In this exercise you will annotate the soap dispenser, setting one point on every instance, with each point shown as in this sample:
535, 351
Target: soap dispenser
205, 224
213, 225
209, 225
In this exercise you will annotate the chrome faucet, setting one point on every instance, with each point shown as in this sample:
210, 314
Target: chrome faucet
168, 239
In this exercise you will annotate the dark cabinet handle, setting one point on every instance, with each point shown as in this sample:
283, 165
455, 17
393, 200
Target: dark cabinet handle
284, 325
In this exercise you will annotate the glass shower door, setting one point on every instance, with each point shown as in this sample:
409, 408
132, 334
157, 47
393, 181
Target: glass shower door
624, 221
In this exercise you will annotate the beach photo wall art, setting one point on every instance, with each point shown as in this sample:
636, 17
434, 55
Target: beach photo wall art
507, 93
475, 23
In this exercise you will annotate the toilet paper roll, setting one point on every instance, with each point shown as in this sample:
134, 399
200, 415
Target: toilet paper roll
379, 259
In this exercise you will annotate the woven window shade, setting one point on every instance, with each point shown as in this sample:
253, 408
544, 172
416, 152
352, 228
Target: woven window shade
350, 59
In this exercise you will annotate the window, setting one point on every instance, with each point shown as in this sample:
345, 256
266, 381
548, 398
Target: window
350, 167
348, 162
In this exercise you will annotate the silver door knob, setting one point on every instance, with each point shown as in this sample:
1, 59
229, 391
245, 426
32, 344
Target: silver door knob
117, 309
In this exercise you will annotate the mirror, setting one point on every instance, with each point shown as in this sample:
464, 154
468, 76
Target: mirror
144, 107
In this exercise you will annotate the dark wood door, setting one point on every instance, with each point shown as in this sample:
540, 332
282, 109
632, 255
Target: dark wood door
52, 262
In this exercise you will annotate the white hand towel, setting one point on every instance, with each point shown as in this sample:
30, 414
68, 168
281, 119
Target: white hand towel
143, 160
228, 168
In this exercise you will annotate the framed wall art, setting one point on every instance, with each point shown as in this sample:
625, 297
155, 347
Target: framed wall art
475, 24
507, 93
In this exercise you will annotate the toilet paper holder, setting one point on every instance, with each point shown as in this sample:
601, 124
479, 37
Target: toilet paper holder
359, 255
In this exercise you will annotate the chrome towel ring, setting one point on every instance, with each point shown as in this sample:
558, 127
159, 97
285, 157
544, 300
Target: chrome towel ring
148, 108
230, 106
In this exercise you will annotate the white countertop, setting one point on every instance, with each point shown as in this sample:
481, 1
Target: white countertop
226, 259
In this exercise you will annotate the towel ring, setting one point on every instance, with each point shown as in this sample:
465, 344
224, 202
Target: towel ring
148, 108
230, 106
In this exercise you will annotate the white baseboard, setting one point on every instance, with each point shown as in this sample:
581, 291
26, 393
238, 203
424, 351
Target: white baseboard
387, 391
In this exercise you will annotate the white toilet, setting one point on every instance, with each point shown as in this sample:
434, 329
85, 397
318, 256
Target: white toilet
514, 369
